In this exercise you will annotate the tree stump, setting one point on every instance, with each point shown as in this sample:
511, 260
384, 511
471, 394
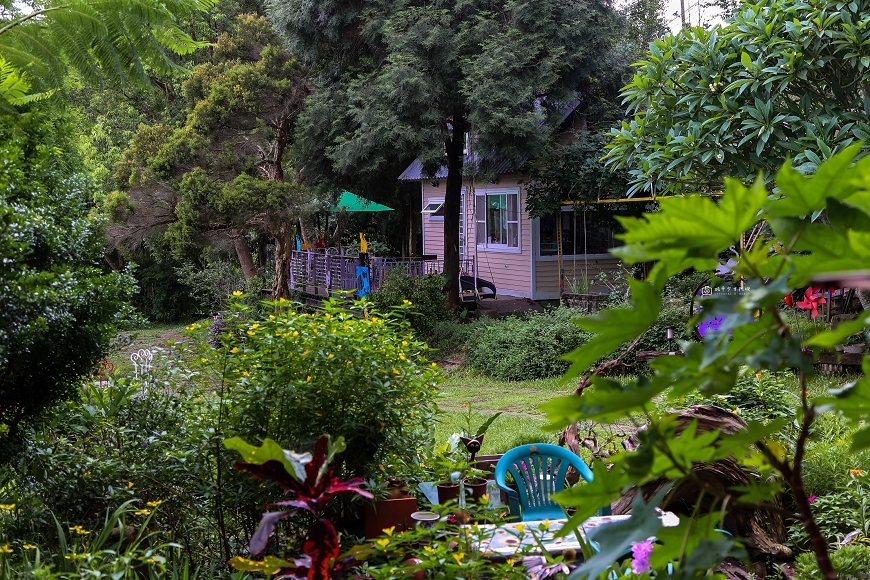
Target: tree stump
763, 529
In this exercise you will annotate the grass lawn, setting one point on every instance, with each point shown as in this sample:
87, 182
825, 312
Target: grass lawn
522, 420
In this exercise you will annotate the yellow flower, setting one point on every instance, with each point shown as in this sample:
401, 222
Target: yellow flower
28, 546
130, 484
295, 333
7, 506
203, 360
255, 326
396, 371
305, 353
142, 512
308, 379
758, 376
401, 357
79, 530
237, 293
154, 503
381, 466
520, 528
5, 549
234, 350
389, 531
383, 542
856, 471
246, 373
251, 333
331, 355
429, 549
458, 557
271, 317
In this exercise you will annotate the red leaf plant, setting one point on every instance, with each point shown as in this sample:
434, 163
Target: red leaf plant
812, 300
321, 547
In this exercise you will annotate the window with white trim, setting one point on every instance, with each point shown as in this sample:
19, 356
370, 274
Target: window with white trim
497, 219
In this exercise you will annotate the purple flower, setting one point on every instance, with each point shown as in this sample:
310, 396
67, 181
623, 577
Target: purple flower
640, 553
812, 498
145, 444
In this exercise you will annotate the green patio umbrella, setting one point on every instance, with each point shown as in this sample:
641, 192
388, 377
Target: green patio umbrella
353, 203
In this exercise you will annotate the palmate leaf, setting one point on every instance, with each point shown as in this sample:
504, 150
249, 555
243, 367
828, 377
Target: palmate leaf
694, 228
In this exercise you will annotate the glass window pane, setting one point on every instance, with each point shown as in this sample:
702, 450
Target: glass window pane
547, 238
513, 238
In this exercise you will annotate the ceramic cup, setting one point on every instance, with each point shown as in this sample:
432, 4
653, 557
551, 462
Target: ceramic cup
425, 519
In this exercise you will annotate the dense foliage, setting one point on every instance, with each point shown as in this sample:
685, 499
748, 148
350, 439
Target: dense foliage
428, 302
296, 375
221, 176
783, 79
399, 80
691, 232
57, 307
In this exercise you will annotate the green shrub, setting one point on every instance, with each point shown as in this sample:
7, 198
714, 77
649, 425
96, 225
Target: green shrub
452, 335
295, 376
426, 295
829, 458
524, 347
851, 563
763, 396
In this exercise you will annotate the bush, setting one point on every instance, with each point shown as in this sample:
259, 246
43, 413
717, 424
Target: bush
452, 335
851, 563
428, 301
294, 376
57, 306
829, 458
763, 396
524, 347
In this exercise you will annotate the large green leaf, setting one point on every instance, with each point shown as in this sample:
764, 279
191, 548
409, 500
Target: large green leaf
615, 327
294, 463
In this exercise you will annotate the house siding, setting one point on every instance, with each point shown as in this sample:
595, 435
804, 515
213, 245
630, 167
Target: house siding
433, 229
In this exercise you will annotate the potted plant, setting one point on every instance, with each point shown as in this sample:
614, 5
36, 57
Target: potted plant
475, 478
391, 508
577, 295
449, 467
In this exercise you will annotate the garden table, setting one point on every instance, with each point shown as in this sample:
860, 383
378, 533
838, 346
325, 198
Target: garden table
499, 542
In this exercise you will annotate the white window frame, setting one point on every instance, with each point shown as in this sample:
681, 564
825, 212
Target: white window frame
480, 201
536, 225
436, 215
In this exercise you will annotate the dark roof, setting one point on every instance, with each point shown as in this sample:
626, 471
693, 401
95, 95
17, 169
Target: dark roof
414, 172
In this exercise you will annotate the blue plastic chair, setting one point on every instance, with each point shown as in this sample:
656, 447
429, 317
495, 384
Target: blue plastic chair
539, 471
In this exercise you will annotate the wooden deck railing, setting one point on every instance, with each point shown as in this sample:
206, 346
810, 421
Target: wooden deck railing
321, 272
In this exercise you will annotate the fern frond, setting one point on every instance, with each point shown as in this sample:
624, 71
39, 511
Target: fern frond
103, 40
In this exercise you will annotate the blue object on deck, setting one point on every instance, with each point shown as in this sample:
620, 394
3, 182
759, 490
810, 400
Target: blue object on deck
539, 471
363, 288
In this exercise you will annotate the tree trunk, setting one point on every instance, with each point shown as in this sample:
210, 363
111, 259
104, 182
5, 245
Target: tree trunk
284, 245
243, 251
452, 200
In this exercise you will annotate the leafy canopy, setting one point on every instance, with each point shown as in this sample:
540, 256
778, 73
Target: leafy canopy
692, 232
783, 79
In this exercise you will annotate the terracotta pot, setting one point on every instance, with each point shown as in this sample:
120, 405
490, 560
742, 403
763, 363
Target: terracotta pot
475, 490
447, 492
387, 513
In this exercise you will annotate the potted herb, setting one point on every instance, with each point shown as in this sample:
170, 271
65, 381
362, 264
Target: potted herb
577, 295
474, 478
449, 467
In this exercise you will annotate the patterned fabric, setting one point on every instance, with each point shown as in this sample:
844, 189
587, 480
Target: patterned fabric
507, 539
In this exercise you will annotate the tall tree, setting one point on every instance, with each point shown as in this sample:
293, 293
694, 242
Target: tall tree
416, 77
222, 174
784, 79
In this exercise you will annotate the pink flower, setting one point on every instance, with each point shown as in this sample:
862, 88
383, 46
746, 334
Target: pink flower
812, 299
812, 498
640, 553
